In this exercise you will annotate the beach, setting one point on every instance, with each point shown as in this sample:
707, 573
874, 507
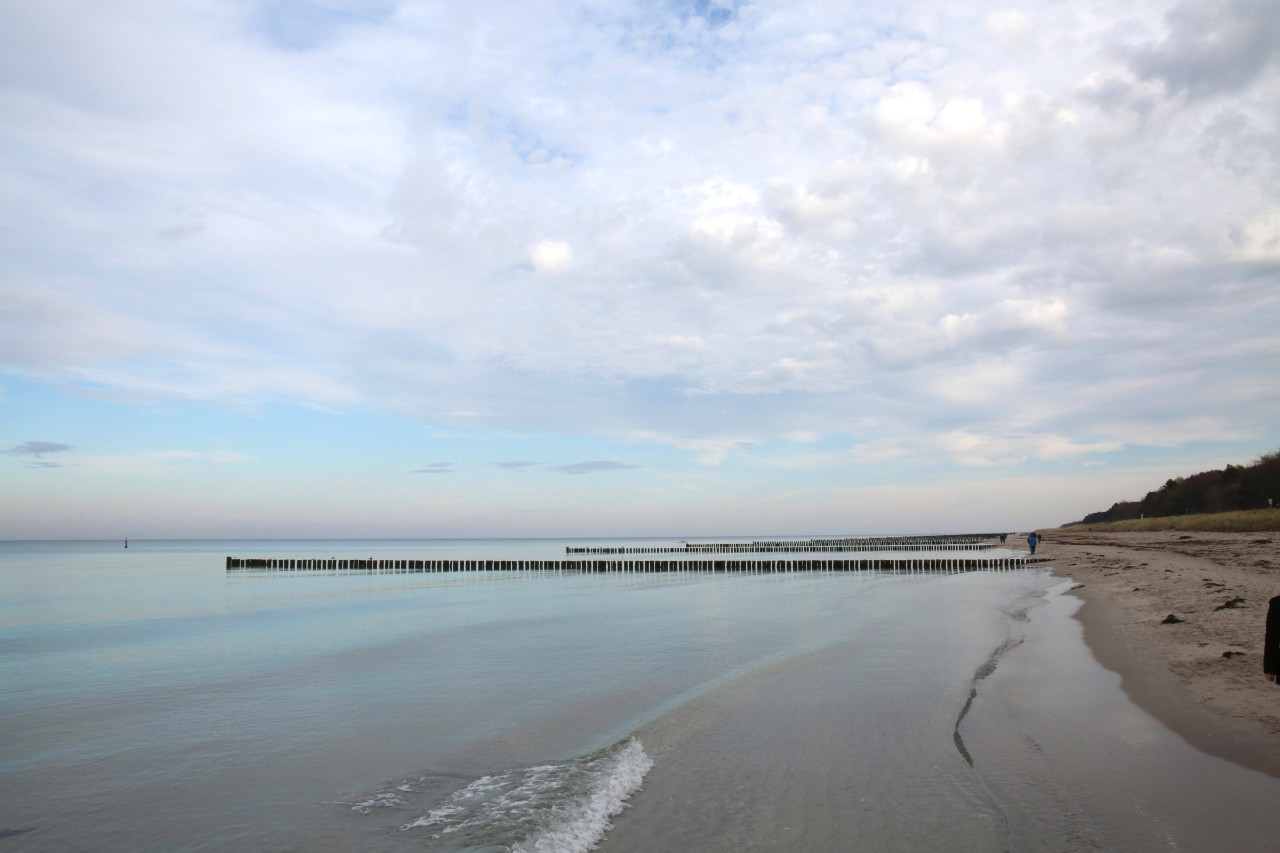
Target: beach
1201, 675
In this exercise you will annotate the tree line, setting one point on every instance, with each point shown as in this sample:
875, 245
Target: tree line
1234, 487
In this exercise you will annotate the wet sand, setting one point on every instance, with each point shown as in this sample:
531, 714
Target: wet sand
1075, 765
851, 747
1202, 675
1095, 726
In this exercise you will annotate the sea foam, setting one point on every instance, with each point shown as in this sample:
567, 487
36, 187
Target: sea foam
564, 807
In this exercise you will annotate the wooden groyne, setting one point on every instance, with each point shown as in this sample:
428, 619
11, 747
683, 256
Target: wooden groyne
398, 566
773, 548
955, 542
930, 539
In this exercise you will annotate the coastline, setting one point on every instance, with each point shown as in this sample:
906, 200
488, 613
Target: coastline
1200, 676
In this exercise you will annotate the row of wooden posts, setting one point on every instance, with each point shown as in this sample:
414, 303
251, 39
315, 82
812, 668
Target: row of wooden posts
697, 562
959, 542
923, 564
947, 540
772, 548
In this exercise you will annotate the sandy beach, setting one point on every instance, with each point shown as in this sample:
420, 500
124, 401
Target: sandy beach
1200, 675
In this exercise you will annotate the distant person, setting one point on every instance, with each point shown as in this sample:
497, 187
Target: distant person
1032, 541
1271, 645
1003, 537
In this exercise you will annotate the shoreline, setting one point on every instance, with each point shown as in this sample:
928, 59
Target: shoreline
825, 749
1201, 676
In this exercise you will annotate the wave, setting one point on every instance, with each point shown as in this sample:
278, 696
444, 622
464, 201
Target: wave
388, 797
563, 807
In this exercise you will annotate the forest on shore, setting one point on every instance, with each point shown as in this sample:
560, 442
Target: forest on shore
1233, 488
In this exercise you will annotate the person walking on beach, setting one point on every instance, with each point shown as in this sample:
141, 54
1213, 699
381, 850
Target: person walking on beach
1032, 541
1271, 647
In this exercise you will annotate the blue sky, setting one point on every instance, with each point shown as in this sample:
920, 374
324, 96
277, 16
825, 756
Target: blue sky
382, 268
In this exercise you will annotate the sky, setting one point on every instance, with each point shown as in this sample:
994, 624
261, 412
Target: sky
282, 268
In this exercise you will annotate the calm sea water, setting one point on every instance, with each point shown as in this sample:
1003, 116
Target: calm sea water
152, 700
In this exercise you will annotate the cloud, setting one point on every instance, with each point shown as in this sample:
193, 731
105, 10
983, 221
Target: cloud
38, 449
973, 450
703, 226
1212, 49
550, 257
435, 468
1009, 26
592, 467
710, 452
680, 342
159, 463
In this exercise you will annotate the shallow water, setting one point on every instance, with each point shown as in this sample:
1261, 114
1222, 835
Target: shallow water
852, 746
1074, 765
152, 700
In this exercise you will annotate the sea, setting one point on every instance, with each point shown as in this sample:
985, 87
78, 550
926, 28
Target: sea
152, 700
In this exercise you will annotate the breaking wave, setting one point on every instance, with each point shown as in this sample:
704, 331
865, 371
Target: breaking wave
565, 807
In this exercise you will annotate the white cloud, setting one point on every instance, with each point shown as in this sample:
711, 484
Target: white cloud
1257, 237
890, 222
156, 463
709, 452
972, 449
1009, 26
905, 112
680, 342
550, 257
962, 117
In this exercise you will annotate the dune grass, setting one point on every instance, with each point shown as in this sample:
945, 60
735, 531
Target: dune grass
1240, 521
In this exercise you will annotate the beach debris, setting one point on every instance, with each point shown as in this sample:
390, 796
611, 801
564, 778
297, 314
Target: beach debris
1230, 654
1171, 620
1230, 604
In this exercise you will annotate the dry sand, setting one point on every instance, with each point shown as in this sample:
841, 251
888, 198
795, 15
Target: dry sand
1202, 675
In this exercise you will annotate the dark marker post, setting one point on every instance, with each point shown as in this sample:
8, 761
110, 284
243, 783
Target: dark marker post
1271, 643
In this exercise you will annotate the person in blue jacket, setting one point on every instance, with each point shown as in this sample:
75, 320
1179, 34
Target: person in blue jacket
1032, 541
